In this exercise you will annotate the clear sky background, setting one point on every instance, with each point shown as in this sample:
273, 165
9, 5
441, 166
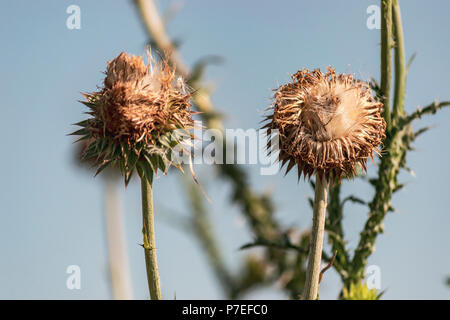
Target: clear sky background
52, 211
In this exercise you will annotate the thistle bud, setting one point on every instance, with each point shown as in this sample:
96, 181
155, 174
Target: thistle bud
134, 115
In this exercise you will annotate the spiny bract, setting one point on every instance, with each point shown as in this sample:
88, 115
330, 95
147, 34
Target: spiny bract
134, 117
327, 123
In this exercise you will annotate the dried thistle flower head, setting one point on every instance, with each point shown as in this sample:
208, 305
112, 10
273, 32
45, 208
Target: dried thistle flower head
327, 123
134, 115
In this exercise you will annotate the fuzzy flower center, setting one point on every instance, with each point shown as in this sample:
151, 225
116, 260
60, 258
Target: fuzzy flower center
328, 123
141, 102
331, 112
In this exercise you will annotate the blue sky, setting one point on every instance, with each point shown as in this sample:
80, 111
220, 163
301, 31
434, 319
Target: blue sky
52, 211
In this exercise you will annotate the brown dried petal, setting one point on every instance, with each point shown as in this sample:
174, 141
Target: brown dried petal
140, 102
327, 123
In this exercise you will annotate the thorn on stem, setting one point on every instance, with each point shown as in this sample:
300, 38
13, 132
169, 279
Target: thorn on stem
328, 266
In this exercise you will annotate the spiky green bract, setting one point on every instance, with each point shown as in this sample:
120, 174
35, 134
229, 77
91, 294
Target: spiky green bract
138, 119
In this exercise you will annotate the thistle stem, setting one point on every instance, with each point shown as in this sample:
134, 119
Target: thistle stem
148, 231
316, 242
386, 58
400, 67
155, 25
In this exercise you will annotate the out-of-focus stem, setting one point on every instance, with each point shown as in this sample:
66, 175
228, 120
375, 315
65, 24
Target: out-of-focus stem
256, 207
400, 67
118, 257
204, 231
316, 242
386, 58
155, 25
148, 231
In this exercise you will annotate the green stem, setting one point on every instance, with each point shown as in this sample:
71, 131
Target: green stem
148, 231
386, 58
400, 67
335, 231
379, 206
316, 243
203, 229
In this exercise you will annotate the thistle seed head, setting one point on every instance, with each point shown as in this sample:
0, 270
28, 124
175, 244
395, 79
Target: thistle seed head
328, 123
134, 115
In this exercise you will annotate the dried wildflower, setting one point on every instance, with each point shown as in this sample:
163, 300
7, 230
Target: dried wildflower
134, 115
137, 119
328, 123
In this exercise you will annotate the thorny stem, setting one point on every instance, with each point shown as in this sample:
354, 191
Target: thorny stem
258, 208
148, 231
396, 146
432, 108
391, 162
334, 229
386, 58
316, 242
202, 227
386, 183
400, 67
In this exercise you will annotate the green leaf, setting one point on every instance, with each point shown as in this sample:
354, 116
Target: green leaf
122, 166
128, 176
102, 167
116, 151
420, 131
124, 152
410, 61
90, 105
80, 132
140, 170
162, 164
101, 148
82, 138
132, 160
311, 202
148, 171
153, 162
200, 66
90, 151
354, 200
83, 123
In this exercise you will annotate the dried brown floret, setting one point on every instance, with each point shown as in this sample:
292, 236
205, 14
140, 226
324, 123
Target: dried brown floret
134, 115
327, 123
